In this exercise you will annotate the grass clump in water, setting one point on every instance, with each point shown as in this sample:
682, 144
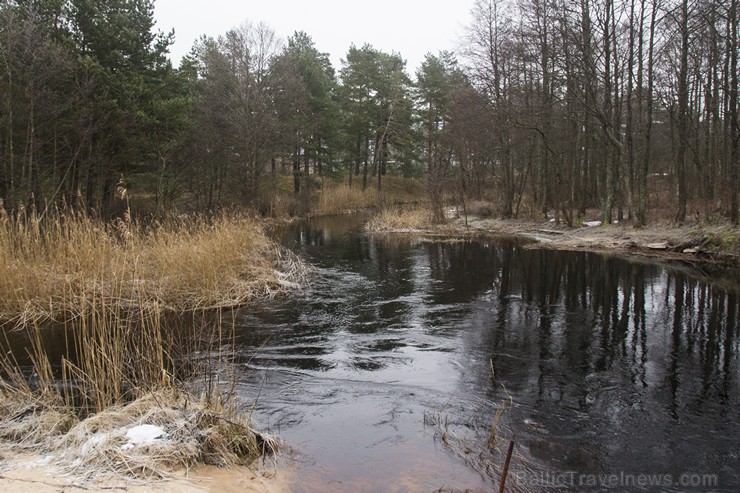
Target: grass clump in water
122, 369
400, 220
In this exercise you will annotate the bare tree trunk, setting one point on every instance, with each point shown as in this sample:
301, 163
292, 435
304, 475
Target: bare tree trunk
640, 218
629, 130
683, 109
365, 164
734, 125
608, 194
589, 171
306, 168
616, 125
296, 171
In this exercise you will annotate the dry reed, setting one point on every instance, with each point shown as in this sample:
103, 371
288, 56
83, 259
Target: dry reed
341, 198
136, 305
194, 432
54, 265
336, 198
400, 220
124, 368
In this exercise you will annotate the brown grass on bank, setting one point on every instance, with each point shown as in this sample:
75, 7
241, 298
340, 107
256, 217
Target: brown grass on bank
719, 241
340, 198
396, 219
325, 195
121, 369
55, 264
336, 198
143, 344
195, 431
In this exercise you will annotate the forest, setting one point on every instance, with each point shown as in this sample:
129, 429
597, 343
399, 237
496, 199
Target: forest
628, 107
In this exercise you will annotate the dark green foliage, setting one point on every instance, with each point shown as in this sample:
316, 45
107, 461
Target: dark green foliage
560, 107
378, 114
88, 95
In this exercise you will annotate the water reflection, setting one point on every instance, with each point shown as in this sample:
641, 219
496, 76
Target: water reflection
612, 365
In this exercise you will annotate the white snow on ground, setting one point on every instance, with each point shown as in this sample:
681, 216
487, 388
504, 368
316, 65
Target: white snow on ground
143, 435
592, 224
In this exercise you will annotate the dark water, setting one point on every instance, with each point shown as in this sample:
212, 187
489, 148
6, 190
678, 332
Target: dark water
615, 375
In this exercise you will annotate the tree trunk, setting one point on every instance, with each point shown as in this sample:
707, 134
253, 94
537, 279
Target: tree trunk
296, 171
734, 126
683, 109
608, 192
365, 164
630, 171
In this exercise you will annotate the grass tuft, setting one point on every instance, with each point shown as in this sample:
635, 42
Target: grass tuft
398, 220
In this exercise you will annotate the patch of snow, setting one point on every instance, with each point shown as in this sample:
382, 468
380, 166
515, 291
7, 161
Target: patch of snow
143, 435
592, 224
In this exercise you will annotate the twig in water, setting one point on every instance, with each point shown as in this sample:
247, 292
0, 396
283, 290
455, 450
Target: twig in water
506, 466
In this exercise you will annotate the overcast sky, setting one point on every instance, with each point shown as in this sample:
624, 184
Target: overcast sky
409, 27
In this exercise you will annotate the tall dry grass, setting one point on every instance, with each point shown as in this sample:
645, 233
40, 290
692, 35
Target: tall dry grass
335, 198
137, 306
395, 219
122, 368
53, 265
341, 198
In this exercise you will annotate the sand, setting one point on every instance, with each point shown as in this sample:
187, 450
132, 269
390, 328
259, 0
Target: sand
33, 474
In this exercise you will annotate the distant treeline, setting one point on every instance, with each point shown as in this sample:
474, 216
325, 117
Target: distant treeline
549, 106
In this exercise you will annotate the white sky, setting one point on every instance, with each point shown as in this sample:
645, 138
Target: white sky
409, 27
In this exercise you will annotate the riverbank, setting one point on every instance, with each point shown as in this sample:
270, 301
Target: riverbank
30, 473
705, 244
104, 326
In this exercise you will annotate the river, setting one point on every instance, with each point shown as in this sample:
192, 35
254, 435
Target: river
387, 372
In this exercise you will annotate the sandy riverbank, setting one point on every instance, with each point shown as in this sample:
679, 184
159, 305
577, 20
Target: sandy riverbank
34, 474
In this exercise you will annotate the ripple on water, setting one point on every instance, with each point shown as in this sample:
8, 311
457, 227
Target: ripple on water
603, 365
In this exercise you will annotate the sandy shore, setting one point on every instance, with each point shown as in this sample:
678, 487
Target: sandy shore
33, 474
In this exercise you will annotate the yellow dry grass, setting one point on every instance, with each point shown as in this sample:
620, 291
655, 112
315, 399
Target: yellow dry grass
336, 198
195, 431
53, 265
400, 220
340, 198
137, 303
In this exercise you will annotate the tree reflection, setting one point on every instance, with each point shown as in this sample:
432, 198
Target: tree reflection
630, 344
